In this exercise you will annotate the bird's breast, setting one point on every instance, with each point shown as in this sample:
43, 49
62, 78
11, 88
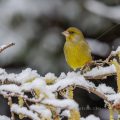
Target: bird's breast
76, 54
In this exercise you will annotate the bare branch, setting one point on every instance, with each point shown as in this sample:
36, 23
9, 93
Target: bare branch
3, 47
94, 91
10, 104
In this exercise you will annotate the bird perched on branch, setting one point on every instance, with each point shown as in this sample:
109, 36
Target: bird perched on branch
76, 49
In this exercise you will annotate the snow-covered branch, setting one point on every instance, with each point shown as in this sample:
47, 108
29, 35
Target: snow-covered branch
47, 92
44, 102
100, 72
23, 110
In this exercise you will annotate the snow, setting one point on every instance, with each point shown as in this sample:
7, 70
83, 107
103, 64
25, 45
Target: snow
101, 71
50, 76
36, 83
5, 76
64, 103
39, 84
29, 80
10, 88
42, 110
12, 77
115, 52
66, 113
62, 75
3, 117
23, 110
115, 98
72, 78
90, 117
27, 75
105, 89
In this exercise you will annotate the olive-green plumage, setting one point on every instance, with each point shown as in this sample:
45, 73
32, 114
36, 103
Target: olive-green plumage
76, 49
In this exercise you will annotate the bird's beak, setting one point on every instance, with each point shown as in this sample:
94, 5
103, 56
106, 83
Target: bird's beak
65, 33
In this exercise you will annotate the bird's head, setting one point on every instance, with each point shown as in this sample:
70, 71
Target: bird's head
73, 34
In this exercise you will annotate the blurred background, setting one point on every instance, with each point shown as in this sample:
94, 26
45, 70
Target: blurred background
36, 25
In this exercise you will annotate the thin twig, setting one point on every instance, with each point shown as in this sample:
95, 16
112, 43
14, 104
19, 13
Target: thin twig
94, 91
26, 104
89, 89
33, 100
3, 47
25, 113
10, 104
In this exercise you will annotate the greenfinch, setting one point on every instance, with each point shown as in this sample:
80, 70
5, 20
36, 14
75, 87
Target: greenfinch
76, 49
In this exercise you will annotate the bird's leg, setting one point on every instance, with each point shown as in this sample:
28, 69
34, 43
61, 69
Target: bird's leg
97, 63
90, 64
85, 68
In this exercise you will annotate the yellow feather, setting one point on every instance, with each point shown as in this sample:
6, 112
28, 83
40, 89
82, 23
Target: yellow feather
76, 49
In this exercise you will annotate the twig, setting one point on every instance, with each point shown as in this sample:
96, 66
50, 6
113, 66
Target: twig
21, 110
8, 81
3, 47
98, 77
100, 72
33, 100
89, 89
94, 91
10, 104
26, 104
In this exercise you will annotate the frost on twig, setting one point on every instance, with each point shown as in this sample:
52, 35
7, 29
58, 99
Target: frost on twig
38, 96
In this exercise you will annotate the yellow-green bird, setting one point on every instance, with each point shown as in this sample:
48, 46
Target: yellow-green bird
76, 49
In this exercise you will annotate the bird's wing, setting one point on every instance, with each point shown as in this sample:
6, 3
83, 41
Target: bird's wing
85, 44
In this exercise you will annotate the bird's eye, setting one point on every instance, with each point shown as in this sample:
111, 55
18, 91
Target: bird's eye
71, 32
